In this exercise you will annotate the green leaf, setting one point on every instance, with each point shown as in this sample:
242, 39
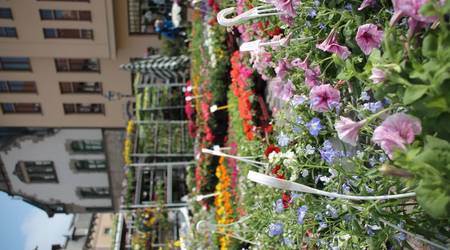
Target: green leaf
435, 199
413, 93
437, 103
430, 45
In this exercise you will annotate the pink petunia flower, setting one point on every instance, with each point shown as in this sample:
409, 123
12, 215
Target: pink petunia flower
283, 67
287, 91
396, 132
348, 130
377, 76
410, 9
369, 37
330, 44
312, 76
324, 97
286, 7
299, 63
366, 3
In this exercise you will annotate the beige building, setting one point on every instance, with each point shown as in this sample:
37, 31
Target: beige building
90, 232
59, 61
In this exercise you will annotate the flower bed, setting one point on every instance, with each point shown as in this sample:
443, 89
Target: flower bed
363, 112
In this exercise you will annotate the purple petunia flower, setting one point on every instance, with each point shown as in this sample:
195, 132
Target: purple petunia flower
411, 9
314, 126
369, 37
377, 76
366, 3
348, 130
396, 132
331, 45
324, 97
283, 67
275, 229
301, 212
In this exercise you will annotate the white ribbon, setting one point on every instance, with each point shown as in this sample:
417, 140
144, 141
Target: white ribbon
240, 158
297, 187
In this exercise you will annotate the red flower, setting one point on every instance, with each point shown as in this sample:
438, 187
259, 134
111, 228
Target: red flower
276, 170
286, 198
271, 148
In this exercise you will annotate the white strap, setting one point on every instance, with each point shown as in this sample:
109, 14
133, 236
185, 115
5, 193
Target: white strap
297, 187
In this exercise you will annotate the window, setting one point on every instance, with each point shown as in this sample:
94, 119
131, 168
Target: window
77, 65
93, 192
80, 108
18, 87
90, 165
36, 172
87, 146
8, 32
107, 231
6, 13
80, 87
21, 108
68, 33
73, 15
15, 64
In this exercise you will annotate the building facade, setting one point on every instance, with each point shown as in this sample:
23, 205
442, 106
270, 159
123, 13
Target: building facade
66, 171
90, 232
59, 61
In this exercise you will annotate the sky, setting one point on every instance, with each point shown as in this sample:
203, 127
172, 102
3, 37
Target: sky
23, 226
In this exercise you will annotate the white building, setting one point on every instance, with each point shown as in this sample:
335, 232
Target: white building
69, 170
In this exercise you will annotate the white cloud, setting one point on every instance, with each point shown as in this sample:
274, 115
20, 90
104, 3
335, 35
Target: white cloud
41, 231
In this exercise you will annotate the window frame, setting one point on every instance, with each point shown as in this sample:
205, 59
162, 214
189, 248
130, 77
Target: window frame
66, 33
15, 108
6, 61
6, 10
78, 165
35, 168
79, 108
65, 15
93, 192
87, 147
77, 88
6, 87
66, 65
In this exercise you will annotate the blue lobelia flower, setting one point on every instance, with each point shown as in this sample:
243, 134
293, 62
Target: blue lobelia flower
348, 7
314, 126
373, 106
331, 211
309, 150
365, 96
275, 229
345, 188
322, 225
322, 26
299, 120
296, 129
279, 208
283, 139
288, 242
327, 152
301, 212
312, 13
298, 100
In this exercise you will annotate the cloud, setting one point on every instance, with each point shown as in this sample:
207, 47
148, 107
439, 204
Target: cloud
41, 231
